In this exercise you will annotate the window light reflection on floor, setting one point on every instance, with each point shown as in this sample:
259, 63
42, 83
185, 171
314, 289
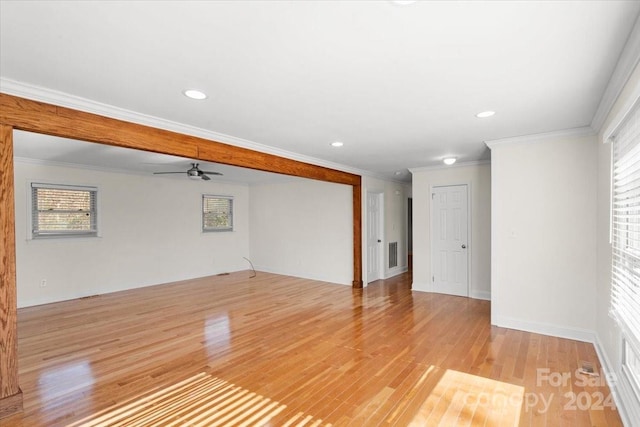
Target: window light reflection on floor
201, 400
462, 399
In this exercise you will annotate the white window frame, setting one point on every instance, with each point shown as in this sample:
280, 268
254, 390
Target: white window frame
625, 309
230, 225
35, 234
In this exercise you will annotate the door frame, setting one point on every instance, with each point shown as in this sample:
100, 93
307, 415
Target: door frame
469, 233
381, 253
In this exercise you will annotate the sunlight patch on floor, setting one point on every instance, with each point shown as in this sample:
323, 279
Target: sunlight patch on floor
201, 400
462, 399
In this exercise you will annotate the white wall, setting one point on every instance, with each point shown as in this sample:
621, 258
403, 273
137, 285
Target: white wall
544, 232
395, 222
303, 228
478, 177
150, 231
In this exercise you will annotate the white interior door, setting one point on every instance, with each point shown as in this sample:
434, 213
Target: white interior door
374, 237
449, 240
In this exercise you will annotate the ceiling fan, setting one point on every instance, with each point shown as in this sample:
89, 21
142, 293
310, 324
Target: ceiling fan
194, 173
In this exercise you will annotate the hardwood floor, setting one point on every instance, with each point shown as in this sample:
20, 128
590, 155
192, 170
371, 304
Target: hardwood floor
283, 351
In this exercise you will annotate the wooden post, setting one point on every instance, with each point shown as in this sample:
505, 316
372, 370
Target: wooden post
10, 394
357, 235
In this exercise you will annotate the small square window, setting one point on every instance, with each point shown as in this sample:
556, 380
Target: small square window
63, 210
217, 213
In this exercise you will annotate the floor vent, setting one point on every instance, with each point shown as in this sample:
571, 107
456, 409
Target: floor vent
587, 368
393, 254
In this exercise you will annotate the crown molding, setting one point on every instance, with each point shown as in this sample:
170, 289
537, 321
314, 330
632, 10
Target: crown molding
627, 63
46, 95
542, 137
453, 166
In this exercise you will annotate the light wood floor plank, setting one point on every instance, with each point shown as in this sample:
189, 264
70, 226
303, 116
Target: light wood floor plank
282, 351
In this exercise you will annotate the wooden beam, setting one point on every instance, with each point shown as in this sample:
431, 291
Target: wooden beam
243, 157
10, 395
49, 119
33, 116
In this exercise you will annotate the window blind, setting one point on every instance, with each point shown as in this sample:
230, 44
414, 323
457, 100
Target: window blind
625, 298
217, 213
61, 210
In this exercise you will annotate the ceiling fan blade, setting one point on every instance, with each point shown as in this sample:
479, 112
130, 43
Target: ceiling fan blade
211, 173
161, 173
204, 177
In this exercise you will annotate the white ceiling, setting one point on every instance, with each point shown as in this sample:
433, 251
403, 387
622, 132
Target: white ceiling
399, 85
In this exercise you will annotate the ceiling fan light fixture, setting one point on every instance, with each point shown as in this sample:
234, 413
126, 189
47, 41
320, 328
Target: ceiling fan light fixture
193, 173
449, 160
194, 94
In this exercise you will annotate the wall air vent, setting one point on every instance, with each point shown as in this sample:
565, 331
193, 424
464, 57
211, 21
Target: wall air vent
393, 254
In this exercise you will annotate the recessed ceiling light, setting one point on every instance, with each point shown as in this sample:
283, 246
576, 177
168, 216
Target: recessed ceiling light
337, 144
397, 173
194, 94
485, 114
449, 161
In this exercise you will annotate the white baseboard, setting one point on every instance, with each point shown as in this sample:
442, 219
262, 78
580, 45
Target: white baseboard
484, 295
260, 268
395, 271
618, 390
421, 287
626, 403
428, 287
545, 329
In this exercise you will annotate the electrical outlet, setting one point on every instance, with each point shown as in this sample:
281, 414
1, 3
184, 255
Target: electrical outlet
43, 283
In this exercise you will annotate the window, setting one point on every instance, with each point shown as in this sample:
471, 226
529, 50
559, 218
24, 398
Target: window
217, 213
625, 289
63, 210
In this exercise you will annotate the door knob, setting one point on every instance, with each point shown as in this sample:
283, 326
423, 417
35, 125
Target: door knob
464, 246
